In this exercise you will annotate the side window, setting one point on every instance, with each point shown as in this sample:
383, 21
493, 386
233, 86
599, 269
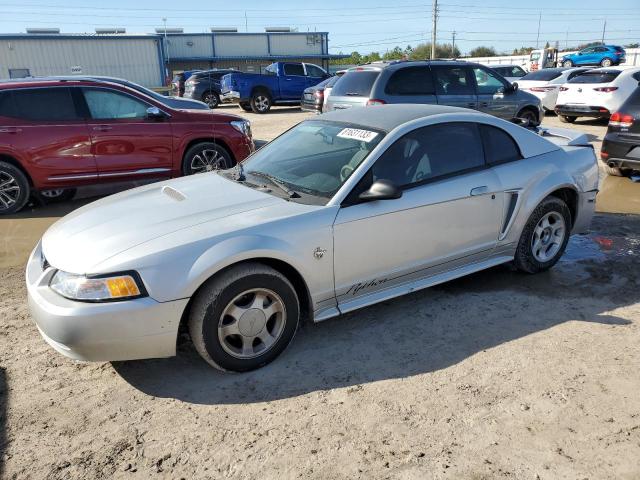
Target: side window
294, 69
411, 81
6, 104
601, 49
453, 81
499, 147
314, 71
111, 105
431, 152
44, 104
487, 82
19, 73
637, 76
271, 70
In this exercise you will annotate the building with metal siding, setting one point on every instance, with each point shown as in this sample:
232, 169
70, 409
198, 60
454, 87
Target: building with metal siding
148, 59
135, 57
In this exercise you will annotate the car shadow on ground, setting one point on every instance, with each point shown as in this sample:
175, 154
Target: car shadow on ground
416, 334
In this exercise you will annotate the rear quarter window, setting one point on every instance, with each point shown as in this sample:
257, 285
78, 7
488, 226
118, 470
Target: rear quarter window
542, 75
411, 81
499, 146
44, 104
6, 104
355, 83
596, 77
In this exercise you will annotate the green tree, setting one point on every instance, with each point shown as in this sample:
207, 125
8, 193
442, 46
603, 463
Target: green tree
632, 45
483, 52
443, 50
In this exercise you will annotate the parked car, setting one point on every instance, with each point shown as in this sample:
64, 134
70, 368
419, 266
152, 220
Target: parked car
173, 102
621, 146
329, 87
60, 134
445, 82
313, 97
545, 84
603, 55
511, 73
319, 222
178, 82
205, 86
281, 84
596, 93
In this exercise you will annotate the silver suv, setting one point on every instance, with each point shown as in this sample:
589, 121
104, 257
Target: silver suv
455, 83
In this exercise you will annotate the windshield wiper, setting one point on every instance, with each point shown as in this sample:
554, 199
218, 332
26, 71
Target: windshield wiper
275, 181
239, 173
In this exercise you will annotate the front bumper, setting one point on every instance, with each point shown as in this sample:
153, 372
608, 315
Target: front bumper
230, 97
575, 110
127, 330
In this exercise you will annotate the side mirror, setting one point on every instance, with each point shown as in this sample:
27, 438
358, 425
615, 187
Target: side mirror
381, 190
155, 113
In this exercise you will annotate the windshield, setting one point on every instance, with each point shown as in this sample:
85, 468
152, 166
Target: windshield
355, 83
314, 158
535, 56
596, 77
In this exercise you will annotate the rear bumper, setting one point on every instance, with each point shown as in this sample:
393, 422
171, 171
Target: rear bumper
585, 211
311, 107
621, 150
582, 111
128, 330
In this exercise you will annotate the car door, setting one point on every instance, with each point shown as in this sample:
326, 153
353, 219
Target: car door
125, 139
43, 128
454, 86
586, 57
448, 216
315, 74
293, 82
493, 96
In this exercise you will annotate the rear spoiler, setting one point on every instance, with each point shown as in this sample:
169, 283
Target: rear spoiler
564, 137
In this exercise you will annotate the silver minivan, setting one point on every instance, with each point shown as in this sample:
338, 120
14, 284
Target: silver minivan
444, 82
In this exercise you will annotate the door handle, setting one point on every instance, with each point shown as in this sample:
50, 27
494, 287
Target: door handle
102, 128
479, 190
484, 104
11, 130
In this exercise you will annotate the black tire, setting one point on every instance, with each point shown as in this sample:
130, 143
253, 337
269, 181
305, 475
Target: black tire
246, 107
261, 102
525, 259
567, 118
14, 189
212, 154
606, 62
57, 195
529, 114
212, 99
567, 63
215, 296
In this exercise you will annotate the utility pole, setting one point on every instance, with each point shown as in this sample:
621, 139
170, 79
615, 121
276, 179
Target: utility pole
246, 25
604, 29
453, 44
433, 29
566, 40
166, 41
538, 37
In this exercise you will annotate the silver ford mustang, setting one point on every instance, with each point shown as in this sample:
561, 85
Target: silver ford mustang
342, 211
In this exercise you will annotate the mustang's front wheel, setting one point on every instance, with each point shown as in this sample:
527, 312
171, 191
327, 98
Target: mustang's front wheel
544, 237
244, 317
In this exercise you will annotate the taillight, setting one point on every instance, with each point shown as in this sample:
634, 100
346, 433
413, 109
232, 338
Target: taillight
621, 120
564, 89
318, 94
375, 101
541, 89
604, 155
619, 53
606, 89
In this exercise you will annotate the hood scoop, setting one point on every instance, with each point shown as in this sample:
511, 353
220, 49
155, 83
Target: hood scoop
174, 194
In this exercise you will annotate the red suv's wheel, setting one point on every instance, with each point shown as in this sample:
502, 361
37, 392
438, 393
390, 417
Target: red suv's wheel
14, 189
206, 157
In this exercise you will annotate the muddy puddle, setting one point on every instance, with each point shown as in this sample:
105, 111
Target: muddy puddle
618, 195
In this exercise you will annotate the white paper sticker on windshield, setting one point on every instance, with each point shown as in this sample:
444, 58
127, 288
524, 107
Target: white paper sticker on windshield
357, 134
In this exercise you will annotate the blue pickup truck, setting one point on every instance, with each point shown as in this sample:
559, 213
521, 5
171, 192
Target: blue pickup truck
282, 83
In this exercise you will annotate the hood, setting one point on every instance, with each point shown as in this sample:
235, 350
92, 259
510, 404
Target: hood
100, 230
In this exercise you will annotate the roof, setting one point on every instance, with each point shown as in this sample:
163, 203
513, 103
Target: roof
402, 63
388, 117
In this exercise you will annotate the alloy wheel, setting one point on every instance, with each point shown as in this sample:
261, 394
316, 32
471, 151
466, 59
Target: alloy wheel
252, 323
548, 237
55, 193
9, 190
262, 103
207, 161
211, 100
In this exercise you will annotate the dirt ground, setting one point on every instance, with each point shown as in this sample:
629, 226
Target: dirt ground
496, 375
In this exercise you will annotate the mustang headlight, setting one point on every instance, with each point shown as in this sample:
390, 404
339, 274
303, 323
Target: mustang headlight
243, 126
102, 288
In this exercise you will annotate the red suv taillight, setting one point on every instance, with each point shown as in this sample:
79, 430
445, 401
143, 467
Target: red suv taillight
375, 101
606, 89
621, 120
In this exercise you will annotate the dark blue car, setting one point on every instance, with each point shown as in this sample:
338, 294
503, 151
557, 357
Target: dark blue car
603, 55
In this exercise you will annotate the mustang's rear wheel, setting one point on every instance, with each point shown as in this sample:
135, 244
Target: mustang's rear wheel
544, 237
244, 318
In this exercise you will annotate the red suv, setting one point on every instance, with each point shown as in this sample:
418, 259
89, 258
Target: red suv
56, 135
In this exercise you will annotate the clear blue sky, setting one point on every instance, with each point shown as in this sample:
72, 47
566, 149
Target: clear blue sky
363, 25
